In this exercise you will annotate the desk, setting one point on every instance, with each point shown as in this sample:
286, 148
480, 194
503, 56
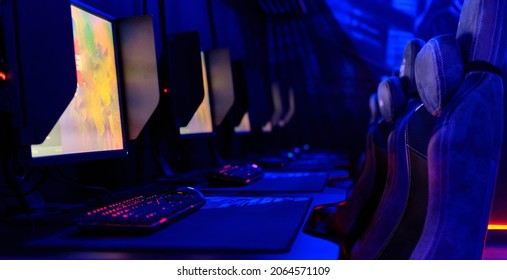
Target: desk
19, 244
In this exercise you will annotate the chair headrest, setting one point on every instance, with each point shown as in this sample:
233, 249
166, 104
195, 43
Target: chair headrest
481, 31
439, 72
407, 75
374, 108
391, 98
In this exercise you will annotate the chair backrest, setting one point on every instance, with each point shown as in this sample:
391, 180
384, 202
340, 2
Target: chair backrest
400, 219
357, 212
372, 240
376, 136
354, 214
464, 148
394, 107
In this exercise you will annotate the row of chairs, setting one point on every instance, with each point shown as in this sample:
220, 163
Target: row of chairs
426, 188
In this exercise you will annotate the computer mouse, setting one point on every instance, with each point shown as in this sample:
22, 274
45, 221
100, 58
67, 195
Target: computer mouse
189, 191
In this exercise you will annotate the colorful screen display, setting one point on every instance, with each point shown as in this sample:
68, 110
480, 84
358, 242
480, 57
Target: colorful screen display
92, 121
201, 122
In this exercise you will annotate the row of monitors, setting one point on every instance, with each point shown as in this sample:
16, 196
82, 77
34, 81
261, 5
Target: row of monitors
92, 125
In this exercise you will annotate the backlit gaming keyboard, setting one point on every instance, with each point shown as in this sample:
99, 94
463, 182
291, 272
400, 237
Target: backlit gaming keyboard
143, 214
236, 174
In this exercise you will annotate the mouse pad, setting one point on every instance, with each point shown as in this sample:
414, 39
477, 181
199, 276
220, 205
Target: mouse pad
281, 181
223, 224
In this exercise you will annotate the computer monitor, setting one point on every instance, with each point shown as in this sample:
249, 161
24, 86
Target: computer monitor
92, 125
181, 75
37, 61
277, 108
244, 126
291, 109
221, 83
201, 122
139, 71
239, 113
260, 103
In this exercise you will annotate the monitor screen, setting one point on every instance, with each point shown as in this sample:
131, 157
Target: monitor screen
91, 127
201, 122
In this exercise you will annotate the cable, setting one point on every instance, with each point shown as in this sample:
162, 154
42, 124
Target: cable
37, 185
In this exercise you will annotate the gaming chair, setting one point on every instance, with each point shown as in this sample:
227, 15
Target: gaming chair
464, 148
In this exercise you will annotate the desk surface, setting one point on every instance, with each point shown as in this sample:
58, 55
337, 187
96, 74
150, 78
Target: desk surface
19, 245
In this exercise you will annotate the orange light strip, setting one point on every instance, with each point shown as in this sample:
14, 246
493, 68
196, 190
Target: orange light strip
497, 227
3, 76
